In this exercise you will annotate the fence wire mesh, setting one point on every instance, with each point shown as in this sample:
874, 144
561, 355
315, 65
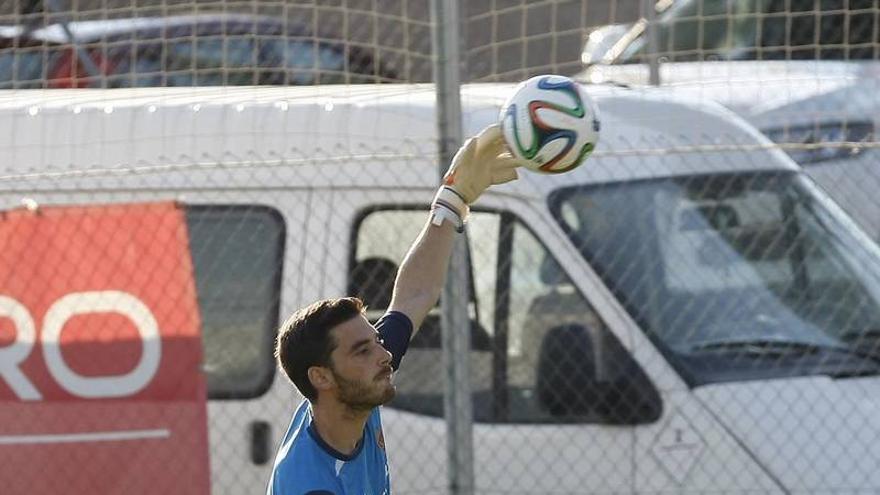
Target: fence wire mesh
694, 310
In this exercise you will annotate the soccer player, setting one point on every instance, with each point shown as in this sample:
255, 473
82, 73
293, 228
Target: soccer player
343, 366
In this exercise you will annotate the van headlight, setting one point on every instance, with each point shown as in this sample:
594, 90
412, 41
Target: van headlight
819, 142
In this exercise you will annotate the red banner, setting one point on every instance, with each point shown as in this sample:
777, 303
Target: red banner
100, 383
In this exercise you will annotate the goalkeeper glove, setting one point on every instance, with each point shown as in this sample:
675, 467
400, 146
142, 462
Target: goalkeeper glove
481, 162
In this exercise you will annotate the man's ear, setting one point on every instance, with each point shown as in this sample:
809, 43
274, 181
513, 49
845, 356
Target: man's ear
321, 378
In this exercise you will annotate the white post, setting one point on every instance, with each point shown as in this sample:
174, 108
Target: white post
456, 325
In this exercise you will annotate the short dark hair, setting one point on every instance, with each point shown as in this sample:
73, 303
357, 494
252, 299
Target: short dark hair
304, 340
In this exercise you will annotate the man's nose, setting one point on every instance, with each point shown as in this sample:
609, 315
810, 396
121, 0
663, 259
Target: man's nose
385, 356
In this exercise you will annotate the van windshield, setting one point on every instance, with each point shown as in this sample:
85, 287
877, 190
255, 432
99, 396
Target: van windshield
734, 276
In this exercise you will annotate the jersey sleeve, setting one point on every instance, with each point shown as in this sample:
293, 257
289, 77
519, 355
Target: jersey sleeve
395, 329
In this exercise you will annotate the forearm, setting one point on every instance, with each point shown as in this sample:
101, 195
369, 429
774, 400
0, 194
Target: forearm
422, 272
479, 163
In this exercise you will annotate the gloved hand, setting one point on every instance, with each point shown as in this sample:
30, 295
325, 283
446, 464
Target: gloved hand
481, 162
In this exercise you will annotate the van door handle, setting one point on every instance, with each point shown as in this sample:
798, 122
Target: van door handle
260, 432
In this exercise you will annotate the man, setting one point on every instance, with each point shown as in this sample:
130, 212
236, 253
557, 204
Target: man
343, 366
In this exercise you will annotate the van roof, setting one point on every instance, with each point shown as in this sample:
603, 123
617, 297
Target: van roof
183, 137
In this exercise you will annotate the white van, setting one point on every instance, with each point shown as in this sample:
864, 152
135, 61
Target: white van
686, 313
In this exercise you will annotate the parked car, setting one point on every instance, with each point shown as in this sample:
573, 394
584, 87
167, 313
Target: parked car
641, 311
740, 52
816, 128
23, 61
712, 30
197, 50
805, 73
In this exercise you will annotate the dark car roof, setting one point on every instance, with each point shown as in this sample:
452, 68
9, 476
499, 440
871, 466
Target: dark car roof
18, 42
168, 27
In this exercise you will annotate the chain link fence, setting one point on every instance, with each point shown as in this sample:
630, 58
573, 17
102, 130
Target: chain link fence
689, 312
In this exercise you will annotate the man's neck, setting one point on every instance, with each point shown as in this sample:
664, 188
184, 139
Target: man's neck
339, 426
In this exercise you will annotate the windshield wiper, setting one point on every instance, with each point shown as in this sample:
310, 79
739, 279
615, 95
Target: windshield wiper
767, 347
865, 342
863, 365
868, 334
635, 32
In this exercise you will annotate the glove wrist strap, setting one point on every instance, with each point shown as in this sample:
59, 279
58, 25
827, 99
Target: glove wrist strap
449, 205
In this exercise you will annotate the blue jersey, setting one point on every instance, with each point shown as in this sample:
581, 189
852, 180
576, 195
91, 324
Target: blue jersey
306, 465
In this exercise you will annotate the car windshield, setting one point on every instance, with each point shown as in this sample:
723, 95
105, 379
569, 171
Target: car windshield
693, 30
734, 276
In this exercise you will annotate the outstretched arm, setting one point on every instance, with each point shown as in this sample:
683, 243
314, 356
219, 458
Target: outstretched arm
481, 162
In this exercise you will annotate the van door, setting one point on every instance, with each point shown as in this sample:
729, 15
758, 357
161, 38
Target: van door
555, 393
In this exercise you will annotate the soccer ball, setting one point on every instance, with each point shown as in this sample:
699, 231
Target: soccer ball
550, 123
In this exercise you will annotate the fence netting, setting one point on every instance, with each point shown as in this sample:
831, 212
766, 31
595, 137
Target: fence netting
694, 310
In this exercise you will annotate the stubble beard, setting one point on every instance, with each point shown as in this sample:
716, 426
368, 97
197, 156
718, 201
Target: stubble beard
363, 397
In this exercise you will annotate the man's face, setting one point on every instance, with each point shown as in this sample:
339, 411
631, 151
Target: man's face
361, 367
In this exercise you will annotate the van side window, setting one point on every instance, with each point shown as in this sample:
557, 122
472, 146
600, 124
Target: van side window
539, 352
237, 252
382, 238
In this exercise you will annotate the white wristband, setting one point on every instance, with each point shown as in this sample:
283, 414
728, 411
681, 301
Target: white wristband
447, 197
440, 214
